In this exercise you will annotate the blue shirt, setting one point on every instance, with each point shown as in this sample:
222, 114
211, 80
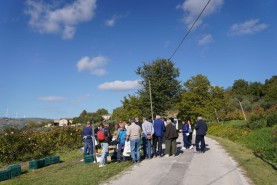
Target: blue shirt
87, 131
159, 127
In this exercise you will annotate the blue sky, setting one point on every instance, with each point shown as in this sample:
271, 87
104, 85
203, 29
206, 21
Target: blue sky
59, 57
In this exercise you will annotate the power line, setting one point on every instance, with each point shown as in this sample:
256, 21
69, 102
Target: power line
189, 30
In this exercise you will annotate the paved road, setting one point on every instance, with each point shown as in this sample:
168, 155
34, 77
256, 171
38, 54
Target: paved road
214, 167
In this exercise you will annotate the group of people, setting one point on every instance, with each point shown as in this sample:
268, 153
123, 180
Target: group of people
152, 135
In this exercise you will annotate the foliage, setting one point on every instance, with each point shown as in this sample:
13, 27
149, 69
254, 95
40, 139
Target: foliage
200, 98
228, 132
256, 121
26, 144
262, 141
165, 88
271, 119
132, 106
90, 116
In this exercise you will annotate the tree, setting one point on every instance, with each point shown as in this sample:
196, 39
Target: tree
165, 88
240, 88
119, 114
271, 90
132, 106
200, 98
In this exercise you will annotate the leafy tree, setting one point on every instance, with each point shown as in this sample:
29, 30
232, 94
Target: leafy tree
119, 114
165, 88
200, 98
240, 88
132, 106
271, 90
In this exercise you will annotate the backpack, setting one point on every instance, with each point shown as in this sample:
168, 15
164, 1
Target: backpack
101, 135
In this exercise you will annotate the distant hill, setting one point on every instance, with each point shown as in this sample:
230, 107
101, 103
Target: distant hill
20, 122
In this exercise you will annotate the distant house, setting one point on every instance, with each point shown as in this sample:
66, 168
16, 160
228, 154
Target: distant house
63, 122
106, 116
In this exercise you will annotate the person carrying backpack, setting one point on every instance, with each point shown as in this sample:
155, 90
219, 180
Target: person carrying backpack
104, 138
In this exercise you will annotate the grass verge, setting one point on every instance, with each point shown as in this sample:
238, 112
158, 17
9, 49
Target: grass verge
257, 170
69, 171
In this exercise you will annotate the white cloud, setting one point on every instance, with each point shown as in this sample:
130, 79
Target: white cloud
192, 9
248, 27
111, 22
120, 85
82, 99
47, 18
206, 39
94, 65
51, 98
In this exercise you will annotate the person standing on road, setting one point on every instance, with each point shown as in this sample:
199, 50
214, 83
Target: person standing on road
171, 134
201, 129
87, 138
133, 134
159, 129
186, 129
147, 135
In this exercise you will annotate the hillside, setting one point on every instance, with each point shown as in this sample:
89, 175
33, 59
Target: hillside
20, 122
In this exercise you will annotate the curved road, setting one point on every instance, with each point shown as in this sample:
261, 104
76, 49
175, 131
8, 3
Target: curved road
214, 167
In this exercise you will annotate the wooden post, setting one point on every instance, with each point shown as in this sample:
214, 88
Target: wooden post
242, 111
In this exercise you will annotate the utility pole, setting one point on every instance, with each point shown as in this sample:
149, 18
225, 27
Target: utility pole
93, 142
242, 111
150, 94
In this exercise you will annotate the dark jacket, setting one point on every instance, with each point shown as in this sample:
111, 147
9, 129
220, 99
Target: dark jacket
159, 127
87, 133
170, 132
201, 127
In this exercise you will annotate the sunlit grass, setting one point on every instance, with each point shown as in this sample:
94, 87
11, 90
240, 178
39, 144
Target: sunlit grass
69, 171
257, 170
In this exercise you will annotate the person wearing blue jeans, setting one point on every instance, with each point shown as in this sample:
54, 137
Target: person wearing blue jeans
105, 145
147, 134
121, 137
103, 159
87, 138
134, 134
135, 150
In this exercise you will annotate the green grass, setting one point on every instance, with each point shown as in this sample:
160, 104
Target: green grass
69, 171
235, 123
257, 170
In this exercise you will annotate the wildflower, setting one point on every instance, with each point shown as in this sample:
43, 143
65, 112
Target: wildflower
6, 134
11, 132
29, 138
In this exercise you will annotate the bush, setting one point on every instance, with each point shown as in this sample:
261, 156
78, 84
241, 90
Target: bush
227, 132
26, 144
271, 119
263, 142
256, 121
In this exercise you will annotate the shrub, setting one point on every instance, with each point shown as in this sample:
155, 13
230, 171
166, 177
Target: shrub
256, 121
26, 144
271, 119
227, 132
